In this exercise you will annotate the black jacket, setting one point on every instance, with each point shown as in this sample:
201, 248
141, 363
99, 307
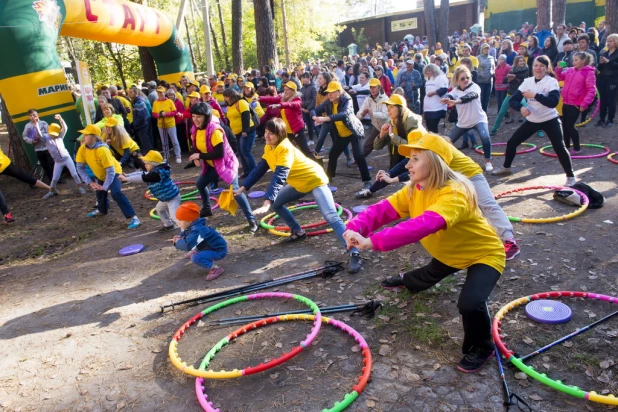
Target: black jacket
609, 70
345, 114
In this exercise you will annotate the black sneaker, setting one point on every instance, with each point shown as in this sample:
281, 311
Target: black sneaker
295, 237
393, 283
253, 226
600, 123
206, 212
355, 263
167, 228
474, 360
463, 146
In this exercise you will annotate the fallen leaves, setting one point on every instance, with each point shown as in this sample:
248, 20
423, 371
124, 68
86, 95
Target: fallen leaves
385, 350
521, 376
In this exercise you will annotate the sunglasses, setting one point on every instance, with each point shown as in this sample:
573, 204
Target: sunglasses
464, 78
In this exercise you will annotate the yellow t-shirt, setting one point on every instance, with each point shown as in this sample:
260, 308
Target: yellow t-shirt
129, 144
288, 129
234, 115
259, 110
463, 164
200, 141
475, 61
101, 123
468, 238
218, 97
127, 104
98, 160
305, 175
164, 106
4, 161
341, 128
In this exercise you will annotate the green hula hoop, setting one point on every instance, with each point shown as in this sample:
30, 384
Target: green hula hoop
297, 207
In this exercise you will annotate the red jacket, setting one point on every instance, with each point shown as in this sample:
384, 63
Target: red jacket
179, 109
501, 72
579, 85
386, 84
293, 110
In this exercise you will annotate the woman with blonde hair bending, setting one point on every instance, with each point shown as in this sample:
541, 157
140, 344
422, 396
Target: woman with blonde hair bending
119, 140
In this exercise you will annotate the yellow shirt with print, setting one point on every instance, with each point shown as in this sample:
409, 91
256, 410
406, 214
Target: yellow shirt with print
200, 141
98, 159
467, 240
305, 175
129, 144
164, 106
342, 130
234, 115
4, 161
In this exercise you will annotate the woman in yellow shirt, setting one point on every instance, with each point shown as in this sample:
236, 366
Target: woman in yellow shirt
239, 118
444, 217
164, 110
118, 139
303, 176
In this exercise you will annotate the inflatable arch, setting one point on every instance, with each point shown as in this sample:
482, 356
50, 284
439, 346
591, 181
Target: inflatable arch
31, 75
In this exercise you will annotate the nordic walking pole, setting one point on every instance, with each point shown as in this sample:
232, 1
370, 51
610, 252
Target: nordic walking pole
567, 337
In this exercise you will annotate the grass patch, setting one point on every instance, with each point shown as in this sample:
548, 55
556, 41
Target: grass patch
586, 359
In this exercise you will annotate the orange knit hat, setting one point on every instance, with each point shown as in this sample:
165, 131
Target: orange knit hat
188, 212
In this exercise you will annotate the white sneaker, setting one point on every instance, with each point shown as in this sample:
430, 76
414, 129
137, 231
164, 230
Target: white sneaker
310, 143
49, 195
82, 191
488, 167
178, 160
570, 181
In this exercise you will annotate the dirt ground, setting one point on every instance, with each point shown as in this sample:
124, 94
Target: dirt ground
81, 329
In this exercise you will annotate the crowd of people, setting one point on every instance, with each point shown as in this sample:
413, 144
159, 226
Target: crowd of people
394, 96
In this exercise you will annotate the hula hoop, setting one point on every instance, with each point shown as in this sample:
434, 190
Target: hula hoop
154, 215
149, 195
529, 370
338, 406
610, 157
546, 219
299, 206
315, 232
598, 146
210, 374
532, 148
596, 110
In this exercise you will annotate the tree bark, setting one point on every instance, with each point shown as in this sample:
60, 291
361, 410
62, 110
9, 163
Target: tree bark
285, 34
237, 59
195, 12
117, 62
558, 11
16, 149
265, 33
215, 43
543, 14
225, 48
149, 69
430, 21
443, 23
195, 67
611, 17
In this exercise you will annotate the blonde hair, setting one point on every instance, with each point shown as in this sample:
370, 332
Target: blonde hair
440, 174
107, 106
458, 71
614, 37
118, 137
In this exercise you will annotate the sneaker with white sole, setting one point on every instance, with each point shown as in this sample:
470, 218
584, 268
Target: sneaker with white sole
178, 160
49, 195
488, 167
502, 171
570, 181
82, 191
355, 263
94, 213
475, 359
511, 249
351, 163
134, 224
214, 273
363, 194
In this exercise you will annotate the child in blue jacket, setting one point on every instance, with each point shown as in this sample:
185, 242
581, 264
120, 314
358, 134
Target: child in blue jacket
204, 244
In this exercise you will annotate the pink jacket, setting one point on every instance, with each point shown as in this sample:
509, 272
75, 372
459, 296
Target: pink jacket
293, 110
227, 166
180, 108
501, 73
579, 85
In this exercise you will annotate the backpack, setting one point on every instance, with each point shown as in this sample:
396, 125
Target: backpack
253, 113
572, 198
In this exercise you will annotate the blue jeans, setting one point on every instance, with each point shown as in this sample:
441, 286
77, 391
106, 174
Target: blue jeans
245, 144
323, 130
206, 258
485, 94
117, 195
211, 176
483, 132
324, 199
469, 136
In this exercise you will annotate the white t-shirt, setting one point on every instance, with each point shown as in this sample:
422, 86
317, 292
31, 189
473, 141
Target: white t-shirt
360, 98
432, 104
538, 112
469, 114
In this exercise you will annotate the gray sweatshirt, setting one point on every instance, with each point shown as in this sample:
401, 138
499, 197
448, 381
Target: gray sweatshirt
33, 137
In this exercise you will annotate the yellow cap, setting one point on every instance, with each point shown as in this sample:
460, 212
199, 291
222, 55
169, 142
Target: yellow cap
396, 100
161, 89
220, 83
152, 157
91, 129
204, 89
291, 85
374, 82
54, 129
196, 94
111, 122
250, 85
231, 77
429, 141
524, 45
195, 83
333, 87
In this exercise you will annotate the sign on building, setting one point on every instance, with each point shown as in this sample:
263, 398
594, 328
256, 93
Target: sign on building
402, 25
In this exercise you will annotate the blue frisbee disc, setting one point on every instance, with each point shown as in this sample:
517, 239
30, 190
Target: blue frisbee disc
548, 311
131, 250
256, 194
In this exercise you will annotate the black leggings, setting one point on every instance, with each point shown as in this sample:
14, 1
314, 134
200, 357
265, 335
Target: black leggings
339, 144
47, 163
398, 170
4, 209
553, 129
19, 174
607, 91
301, 141
569, 118
480, 281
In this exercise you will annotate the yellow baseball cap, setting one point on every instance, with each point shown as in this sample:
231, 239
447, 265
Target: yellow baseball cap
195, 83
250, 85
111, 122
54, 129
429, 141
291, 85
374, 82
231, 77
196, 94
524, 44
91, 129
152, 157
333, 87
396, 100
204, 89
220, 83
161, 89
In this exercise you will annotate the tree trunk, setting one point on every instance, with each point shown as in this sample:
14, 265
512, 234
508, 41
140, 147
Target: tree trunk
430, 21
71, 51
196, 14
16, 149
117, 62
611, 17
195, 67
225, 48
285, 34
265, 33
149, 70
237, 60
543, 14
443, 24
215, 44
558, 11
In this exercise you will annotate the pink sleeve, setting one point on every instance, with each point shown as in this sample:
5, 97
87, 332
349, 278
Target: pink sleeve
559, 74
590, 89
267, 100
294, 104
374, 217
410, 231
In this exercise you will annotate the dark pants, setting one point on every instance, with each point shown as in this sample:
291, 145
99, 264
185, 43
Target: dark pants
553, 129
370, 136
586, 112
144, 139
310, 126
46, 162
607, 90
339, 144
500, 95
300, 141
117, 195
154, 133
322, 132
18, 174
183, 139
569, 118
398, 170
485, 95
4, 209
422, 98
480, 281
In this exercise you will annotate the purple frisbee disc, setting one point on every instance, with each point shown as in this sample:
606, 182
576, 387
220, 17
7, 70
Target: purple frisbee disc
369, 167
216, 191
359, 208
548, 311
131, 250
333, 188
256, 194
